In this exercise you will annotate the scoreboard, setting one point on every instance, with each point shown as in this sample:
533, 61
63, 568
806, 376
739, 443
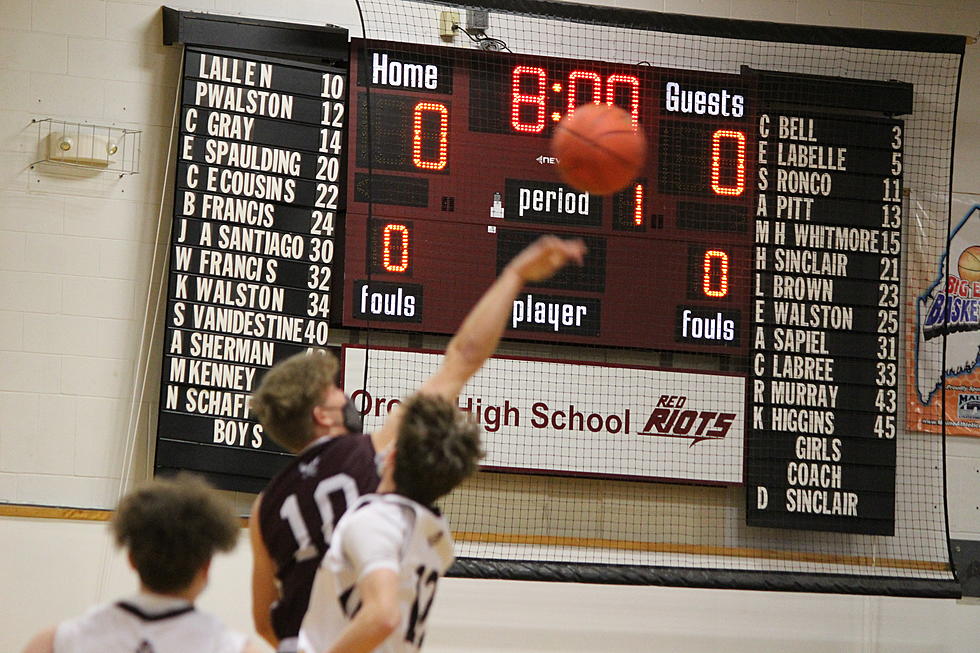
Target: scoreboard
388, 191
456, 154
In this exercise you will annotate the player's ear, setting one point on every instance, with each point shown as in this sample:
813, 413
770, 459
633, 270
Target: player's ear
321, 416
200, 580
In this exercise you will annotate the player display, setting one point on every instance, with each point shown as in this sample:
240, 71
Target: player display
821, 450
252, 251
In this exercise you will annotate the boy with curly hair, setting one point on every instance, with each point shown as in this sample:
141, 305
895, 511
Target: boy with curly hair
171, 528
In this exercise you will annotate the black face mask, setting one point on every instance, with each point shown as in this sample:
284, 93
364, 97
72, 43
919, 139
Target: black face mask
353, 421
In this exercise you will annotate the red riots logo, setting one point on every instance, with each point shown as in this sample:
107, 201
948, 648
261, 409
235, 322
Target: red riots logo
672, 418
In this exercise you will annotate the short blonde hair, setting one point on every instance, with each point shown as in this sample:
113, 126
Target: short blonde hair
288, 393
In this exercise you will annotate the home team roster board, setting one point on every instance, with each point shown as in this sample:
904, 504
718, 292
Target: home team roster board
258, 194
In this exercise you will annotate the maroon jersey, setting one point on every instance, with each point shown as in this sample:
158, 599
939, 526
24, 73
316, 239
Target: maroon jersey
299, 510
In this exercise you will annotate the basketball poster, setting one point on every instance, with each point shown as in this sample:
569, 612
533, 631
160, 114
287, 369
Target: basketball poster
950, 306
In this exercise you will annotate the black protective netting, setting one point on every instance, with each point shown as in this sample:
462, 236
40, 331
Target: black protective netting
724, 385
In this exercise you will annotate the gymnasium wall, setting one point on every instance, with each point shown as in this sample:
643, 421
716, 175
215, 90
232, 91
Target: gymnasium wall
77, 295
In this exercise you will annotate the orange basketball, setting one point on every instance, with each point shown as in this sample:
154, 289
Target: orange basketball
968, 265
597, 149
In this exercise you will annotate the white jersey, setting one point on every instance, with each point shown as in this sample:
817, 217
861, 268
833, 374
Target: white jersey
146, 624
381, 531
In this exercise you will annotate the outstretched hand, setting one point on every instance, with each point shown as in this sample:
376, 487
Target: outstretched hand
545, 256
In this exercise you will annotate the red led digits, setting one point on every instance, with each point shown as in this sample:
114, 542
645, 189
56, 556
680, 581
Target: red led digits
715, 284
573, 79
577, 79
595, 81
386, 263
443, 156
739, 187
517, 99
638, 205
634, 88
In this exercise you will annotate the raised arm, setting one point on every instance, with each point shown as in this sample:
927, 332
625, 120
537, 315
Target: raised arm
477, 337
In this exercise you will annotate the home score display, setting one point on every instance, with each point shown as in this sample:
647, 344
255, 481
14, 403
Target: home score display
456, 165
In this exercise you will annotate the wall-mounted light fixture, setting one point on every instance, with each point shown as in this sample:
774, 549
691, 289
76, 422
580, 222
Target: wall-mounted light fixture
88, 146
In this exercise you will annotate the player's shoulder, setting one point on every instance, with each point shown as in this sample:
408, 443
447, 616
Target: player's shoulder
377, 507
83, 628
325, 457
391, 502
419, 511
225, 638
391, 510
92, 619
371, 526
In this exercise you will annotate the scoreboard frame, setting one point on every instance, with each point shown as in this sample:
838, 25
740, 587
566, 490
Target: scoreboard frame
322, 199
491, 117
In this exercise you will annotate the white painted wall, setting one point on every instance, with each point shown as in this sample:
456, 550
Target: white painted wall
52, 569
76, 253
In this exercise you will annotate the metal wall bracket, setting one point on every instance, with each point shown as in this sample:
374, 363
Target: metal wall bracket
83, 145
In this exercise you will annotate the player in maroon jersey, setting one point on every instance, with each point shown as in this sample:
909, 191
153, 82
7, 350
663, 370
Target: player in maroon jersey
303, 410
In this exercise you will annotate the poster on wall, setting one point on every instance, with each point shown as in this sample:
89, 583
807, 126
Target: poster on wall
949, 306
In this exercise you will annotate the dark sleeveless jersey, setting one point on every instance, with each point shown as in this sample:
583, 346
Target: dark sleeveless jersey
299, 510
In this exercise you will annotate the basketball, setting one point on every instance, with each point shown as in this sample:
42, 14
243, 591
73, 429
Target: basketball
597, 149
968, 264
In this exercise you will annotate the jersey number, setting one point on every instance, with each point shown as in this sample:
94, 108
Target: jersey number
305, 549
424, 583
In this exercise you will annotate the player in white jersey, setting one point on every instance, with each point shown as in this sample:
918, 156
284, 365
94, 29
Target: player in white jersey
171, 529
375, 586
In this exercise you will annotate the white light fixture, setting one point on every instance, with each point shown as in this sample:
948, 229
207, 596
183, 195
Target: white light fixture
85, 145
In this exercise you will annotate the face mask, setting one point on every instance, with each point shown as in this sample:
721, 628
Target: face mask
379, 461
353, 421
